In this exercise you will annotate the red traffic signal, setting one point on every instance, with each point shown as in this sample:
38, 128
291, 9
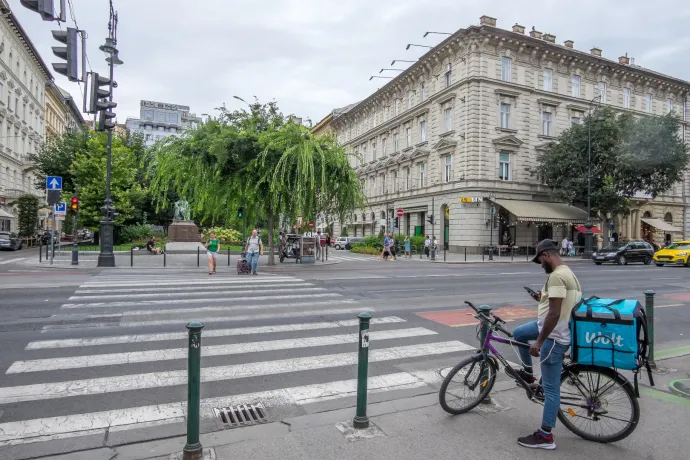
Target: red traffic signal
74, 204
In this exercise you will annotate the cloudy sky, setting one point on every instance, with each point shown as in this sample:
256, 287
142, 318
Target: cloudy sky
314, 55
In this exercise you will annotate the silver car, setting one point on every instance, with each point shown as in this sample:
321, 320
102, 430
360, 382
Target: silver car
10, 241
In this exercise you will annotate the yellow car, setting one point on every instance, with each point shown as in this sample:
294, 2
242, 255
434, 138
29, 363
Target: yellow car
677, 253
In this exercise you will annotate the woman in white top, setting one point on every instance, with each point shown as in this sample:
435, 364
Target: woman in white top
254, 248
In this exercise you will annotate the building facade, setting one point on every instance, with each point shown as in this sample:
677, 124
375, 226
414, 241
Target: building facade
24, 78
457, 135
158, 120
73, 117
55, 112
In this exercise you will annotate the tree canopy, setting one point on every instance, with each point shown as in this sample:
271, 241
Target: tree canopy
628, 155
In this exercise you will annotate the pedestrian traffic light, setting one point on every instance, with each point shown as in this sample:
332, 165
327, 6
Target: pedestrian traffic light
43, 7
69, 68
74, 205
240, 212
99, 101
395, 223
430, 219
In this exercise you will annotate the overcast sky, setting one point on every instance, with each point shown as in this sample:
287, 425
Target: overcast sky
314, 55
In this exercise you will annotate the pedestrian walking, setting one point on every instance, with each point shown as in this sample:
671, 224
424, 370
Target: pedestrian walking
212, 246
318, 244
253, 249
391, 246
384, 251
408, 248
564, 246
427, 243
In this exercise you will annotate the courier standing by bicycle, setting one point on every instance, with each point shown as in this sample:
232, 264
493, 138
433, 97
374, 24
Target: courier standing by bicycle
551, 336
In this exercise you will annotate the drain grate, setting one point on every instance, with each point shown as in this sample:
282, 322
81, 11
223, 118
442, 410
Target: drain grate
241, 415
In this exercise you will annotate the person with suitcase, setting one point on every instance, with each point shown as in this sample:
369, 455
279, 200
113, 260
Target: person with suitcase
254, 248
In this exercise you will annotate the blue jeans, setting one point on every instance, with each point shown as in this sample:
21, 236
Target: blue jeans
551, 359
253, 260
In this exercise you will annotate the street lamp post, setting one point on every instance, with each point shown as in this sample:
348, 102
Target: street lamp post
587, 253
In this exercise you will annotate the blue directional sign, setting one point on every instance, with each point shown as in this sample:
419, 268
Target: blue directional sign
54, 183
60, 208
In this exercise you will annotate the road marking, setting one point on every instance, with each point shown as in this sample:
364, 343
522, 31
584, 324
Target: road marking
11, 261
168, 282
671, 305
113, 359
139, 338
56, 390
152, 289
240, 289
204, 300
76, 425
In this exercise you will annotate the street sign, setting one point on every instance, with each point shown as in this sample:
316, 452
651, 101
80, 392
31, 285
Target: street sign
54, 197
400, 212
54, 183
60, 209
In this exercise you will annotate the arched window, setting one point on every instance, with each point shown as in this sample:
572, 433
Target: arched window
668, 218
647, 214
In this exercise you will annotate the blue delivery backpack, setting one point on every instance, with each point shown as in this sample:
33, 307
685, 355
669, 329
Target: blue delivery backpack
611, 333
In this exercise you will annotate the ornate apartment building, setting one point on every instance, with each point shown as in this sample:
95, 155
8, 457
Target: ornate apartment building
462, 127
23, 81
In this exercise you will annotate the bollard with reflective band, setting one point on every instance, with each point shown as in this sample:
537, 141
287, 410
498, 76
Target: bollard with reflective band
649, 311
164, 259
193, 450
486, 310
131, 256
198, 253
228, 257
361, 420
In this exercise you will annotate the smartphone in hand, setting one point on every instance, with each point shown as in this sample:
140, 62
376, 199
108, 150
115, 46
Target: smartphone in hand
535, 295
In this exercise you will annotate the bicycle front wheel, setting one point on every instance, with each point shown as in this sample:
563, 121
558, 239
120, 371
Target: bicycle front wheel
467, 384
598, 404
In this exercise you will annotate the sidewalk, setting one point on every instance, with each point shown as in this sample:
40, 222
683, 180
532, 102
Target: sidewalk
461, 258
417, 428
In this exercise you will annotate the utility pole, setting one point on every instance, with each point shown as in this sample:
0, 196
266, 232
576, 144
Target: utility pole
75, 233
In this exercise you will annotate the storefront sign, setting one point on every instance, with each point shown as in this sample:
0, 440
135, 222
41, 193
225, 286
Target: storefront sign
471, 199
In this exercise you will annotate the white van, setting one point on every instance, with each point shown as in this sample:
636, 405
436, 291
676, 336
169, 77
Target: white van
340, 242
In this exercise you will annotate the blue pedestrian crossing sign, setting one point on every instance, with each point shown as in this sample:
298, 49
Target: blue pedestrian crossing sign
60, 209
54, 183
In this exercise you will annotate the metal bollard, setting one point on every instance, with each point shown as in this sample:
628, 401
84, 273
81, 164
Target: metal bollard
420, 253
649, 311
193, 450
131, 256
465, 253
326, 253
197, 256
527, 253
164, 258
512, 254
361, 420
228, 257
40, 252
486, 310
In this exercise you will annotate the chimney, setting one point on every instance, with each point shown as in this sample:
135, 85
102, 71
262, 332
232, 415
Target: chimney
534, 33
569, 43
517, 28
550, 38
625, 60
487, 21
596, 51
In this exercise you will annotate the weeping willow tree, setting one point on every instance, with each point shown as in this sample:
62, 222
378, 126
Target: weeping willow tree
254, 159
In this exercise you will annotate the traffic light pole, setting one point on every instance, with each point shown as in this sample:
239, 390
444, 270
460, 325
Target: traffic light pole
75, 238
433, 229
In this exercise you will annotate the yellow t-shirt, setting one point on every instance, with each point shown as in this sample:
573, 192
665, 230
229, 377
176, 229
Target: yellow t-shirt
561, 284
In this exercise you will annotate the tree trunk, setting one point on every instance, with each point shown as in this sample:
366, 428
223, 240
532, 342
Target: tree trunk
271, 255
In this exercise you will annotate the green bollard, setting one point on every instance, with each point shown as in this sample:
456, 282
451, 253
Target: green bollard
193, 450
649, 311
361, 420
486, 310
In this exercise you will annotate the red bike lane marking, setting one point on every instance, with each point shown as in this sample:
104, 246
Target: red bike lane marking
457, 318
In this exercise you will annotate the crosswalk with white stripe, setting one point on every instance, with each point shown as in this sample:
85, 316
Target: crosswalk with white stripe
273, 339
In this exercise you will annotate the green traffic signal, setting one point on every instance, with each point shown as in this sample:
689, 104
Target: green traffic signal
240, 212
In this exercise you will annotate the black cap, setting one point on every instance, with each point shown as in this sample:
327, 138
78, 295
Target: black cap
544, 246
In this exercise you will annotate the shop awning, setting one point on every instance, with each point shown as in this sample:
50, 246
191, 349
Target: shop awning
661, 225
6, 214
583, 229
542, 211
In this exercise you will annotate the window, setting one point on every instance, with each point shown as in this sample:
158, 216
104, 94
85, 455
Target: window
506, 69
422, 131
669, 105
1, 86
448, 119
423, 91
626, 98
395, 181
407, 178
602, 92
448, 74
396, 142
447, 170
16, 106
504, 166
397, 106
172, 118
576, 86
148, 115
575, 120
421, 174
383, 184
548, 80
149, 137
650, 103
373, 150
409, 137
546, 123
161, 116
410, 98
505, 116
384, 146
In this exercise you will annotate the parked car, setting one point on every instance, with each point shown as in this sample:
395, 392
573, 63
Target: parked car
677, 253
622, 253
340, 242
10, 241
353, 240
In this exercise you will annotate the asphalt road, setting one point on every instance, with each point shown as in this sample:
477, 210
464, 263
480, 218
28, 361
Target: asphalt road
96, 357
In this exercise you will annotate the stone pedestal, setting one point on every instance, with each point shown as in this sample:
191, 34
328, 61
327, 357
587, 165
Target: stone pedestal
184, 231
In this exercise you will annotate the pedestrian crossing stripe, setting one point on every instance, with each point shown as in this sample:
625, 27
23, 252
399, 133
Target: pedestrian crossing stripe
234, 290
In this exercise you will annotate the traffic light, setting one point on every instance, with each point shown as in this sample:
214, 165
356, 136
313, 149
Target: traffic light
69, 68
396, 223
74, 205
99, 101
430, 219
240, 212
43, 7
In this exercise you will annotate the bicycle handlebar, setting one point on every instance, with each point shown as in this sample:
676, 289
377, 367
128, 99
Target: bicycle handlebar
496, 323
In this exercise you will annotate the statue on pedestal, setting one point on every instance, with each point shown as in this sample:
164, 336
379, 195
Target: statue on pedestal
182, 210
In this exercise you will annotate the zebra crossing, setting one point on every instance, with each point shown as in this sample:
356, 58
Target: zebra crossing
352, 258
116, 358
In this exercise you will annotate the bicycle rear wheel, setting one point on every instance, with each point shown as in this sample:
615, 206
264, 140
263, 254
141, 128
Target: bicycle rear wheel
598, 404
469, 375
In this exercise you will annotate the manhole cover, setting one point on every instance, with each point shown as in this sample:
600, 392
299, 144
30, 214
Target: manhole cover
681, 387
241, 415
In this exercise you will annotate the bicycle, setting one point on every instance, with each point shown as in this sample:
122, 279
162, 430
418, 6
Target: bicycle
579, 401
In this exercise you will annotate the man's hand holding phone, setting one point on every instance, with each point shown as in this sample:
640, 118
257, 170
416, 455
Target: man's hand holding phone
536, 295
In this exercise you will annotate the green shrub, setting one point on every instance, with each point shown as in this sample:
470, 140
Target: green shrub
130, 233
362, 249
225, 235
417, 240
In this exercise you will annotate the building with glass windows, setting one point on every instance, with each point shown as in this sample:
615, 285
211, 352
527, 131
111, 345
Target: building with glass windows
158, 120
461, 129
